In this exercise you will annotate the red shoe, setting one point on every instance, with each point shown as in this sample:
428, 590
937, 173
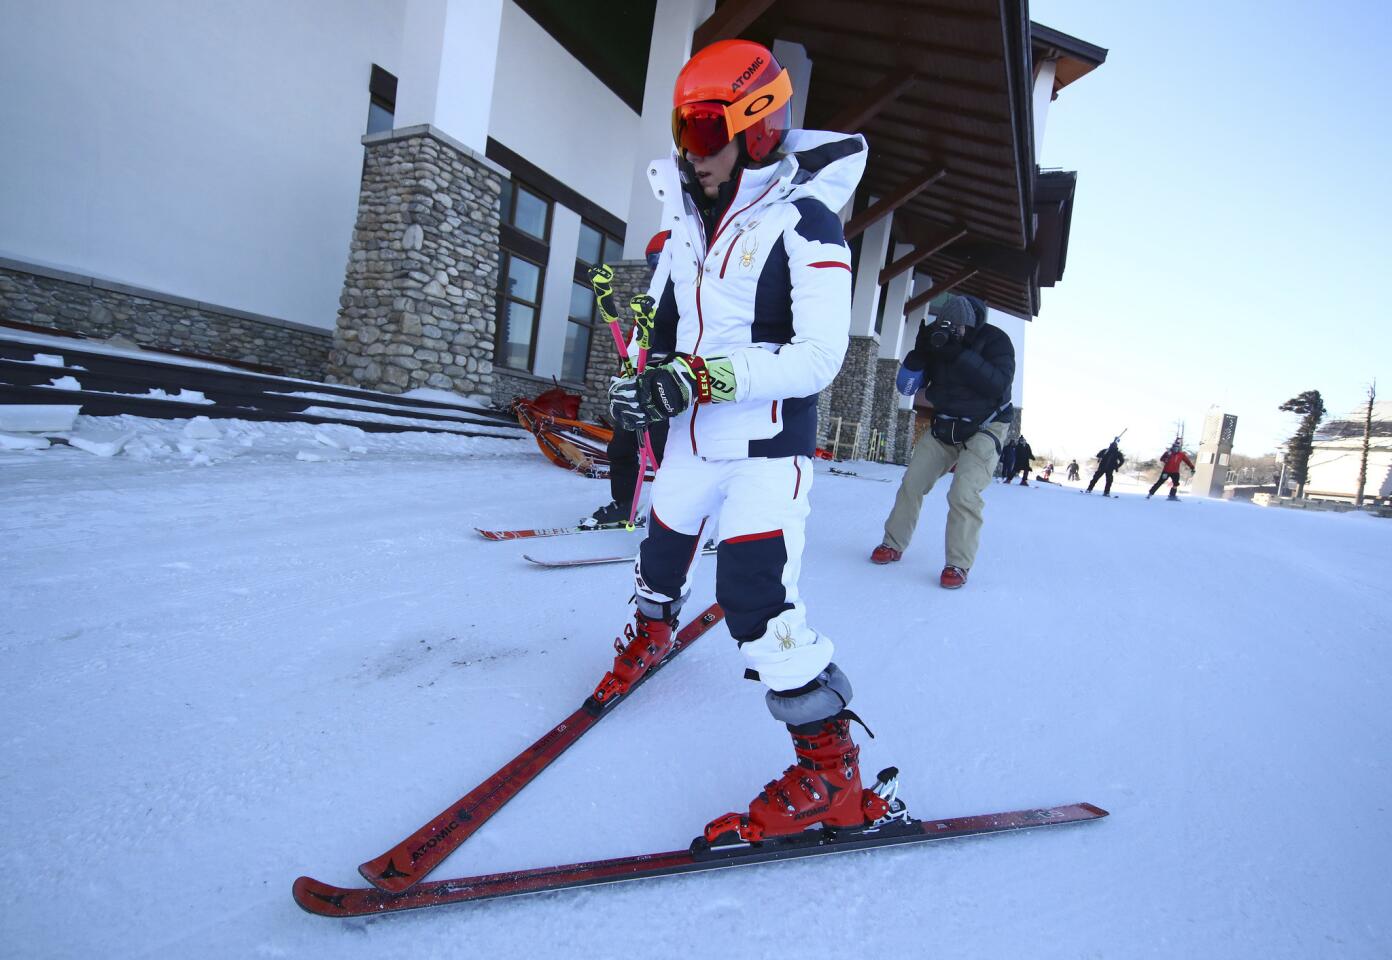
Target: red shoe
884, 554
952, 577
822, 787
648, 642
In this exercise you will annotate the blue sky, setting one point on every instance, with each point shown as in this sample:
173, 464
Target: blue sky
1229, 241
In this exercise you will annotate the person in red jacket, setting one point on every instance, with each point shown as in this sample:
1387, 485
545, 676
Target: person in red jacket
1170, 462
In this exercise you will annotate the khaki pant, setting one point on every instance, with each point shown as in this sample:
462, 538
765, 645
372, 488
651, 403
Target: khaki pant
976, 462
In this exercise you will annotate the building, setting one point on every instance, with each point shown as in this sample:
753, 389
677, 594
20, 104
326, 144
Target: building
1337, 455
407, 193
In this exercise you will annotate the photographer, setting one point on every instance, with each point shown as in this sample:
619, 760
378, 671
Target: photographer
967, 366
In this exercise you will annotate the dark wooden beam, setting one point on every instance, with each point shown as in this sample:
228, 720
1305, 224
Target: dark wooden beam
730, 19
937, 289
855, 115
920, 253
911, 188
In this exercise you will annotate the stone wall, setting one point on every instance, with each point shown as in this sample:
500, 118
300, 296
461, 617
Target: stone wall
885, 404
99, 308
419, 295
853, 392
631, 277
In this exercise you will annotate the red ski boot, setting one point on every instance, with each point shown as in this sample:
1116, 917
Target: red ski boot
647, 642
822, 787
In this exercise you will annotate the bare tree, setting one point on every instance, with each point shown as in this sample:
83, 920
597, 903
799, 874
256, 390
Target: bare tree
1367, 443
1310, 406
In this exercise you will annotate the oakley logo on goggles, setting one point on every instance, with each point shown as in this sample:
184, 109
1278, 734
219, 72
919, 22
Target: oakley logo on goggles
703, 128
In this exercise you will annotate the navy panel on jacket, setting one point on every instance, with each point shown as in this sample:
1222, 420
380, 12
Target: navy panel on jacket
773, 299
817, 222
749, 583
665, 556
664, 332
798, 438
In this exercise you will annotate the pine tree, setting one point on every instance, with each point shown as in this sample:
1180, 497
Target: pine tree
1310, 406
1367, 442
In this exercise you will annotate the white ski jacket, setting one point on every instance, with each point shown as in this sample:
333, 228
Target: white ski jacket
771, 290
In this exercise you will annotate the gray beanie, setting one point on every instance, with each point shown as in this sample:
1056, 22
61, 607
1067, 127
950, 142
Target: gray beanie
956, 310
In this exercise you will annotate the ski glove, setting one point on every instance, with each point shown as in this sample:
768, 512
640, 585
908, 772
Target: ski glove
909, 381
661, 393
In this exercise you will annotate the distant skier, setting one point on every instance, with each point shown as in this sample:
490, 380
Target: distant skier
1046, 474
1171, 462
1007, 461
1108, 462
752, 205
1023, 455
1073, 469
967, 365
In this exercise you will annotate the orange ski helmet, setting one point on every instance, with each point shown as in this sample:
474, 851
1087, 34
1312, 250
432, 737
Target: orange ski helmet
731, 87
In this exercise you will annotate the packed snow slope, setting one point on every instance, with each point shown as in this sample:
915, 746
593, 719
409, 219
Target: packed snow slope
226, 665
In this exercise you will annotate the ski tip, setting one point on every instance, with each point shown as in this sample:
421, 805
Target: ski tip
1097, 813
317, 898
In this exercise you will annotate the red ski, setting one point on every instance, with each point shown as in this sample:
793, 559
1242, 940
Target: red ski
330, 901
407, 863
552, 531
707, 551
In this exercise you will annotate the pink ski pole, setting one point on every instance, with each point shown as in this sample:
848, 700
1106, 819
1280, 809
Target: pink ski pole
601, 281
644, 311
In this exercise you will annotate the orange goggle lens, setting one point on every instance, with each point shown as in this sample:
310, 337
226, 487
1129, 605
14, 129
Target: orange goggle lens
705, 127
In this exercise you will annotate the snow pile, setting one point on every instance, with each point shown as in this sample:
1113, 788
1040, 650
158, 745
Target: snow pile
37, 418
201, 441
216, 680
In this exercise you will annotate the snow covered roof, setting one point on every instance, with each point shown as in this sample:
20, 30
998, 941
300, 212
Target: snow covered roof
1351, 426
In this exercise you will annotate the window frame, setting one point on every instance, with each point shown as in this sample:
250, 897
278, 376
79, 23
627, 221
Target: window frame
500, 340
515, 242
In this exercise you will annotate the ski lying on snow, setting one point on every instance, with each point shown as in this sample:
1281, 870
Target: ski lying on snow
706, 551
330, 901
413, 858
551, 531
852, 473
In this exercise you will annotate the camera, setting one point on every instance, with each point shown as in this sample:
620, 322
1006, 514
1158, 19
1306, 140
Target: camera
939, 333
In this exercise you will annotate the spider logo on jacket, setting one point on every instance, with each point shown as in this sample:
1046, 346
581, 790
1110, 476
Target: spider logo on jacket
749, 250
784, 635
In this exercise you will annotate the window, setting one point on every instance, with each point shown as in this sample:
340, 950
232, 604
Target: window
381, 106
523, 236
595, 247
578, 331
521, 304
525, 210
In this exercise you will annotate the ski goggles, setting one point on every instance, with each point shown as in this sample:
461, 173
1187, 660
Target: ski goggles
705, 127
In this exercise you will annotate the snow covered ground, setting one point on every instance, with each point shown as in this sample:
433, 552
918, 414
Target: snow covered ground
223, 664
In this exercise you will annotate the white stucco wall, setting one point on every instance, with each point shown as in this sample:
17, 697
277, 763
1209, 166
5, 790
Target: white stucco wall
209, 150
1015, 327
551, 110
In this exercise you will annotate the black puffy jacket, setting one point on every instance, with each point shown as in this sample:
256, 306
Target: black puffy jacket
977, 381
1110, 459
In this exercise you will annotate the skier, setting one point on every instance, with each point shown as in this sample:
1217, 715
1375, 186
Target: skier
1108, 462
1007, 461
1171, 461
968, 366
1048, 472
761, 288
1073, 469
623, 446
1023, 455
